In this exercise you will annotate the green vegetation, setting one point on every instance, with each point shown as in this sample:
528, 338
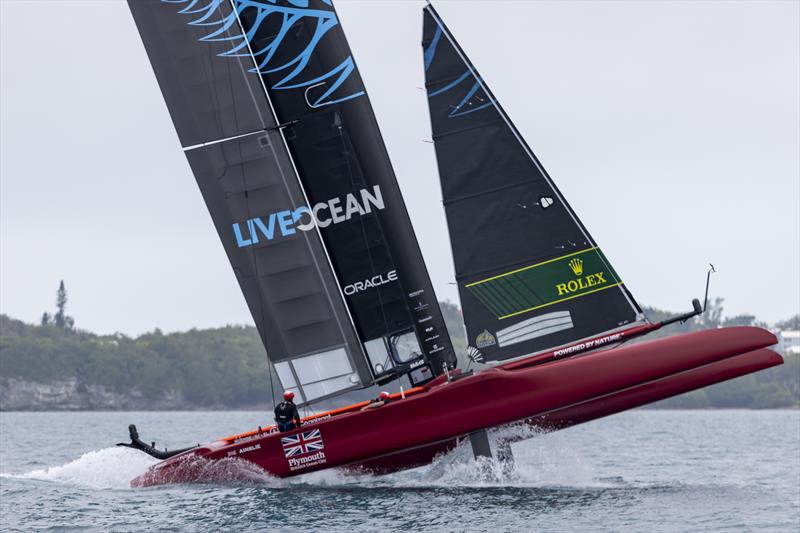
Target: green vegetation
213, 367
226, 367
60, 318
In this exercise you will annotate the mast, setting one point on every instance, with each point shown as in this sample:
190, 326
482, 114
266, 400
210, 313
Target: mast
530, 275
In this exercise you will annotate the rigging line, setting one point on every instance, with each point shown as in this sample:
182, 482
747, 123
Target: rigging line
305, 197
519, 138
271, 386
361, 222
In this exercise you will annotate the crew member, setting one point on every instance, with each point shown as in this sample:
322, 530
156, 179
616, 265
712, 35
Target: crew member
286, 415
382, 399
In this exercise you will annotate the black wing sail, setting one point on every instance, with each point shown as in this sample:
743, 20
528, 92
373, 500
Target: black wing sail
281, 137
229, 135
309, 73
530, 276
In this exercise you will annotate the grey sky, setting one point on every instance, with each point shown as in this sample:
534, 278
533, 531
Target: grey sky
673, 128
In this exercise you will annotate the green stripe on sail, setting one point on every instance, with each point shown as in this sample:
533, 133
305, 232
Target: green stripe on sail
546, 283
481, 292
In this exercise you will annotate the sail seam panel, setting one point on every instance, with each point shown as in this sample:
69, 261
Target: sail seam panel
458, 199
450, 133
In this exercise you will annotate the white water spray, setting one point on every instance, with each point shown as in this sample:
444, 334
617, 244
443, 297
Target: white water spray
540, 461
109, 468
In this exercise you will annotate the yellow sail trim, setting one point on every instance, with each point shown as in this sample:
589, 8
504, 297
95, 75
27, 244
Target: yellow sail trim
558, 301
534, 266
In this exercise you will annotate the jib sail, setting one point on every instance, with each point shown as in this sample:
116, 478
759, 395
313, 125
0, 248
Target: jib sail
529, 274
282, 141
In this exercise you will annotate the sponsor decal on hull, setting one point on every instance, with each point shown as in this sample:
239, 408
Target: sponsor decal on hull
255, 436
304, 449
594, 343
244, 450
298, 463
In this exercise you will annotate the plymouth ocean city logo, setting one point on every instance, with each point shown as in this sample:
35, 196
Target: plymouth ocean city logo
304, 449
306, 218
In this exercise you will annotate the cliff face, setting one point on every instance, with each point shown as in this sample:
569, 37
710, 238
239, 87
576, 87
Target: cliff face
70, 395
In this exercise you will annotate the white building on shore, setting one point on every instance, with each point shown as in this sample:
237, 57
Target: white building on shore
789, 341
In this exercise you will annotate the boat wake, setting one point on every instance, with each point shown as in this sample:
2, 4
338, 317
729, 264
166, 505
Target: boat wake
538, 463
115, 468
109, 468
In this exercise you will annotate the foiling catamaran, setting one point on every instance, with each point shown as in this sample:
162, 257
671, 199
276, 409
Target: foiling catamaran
278, 129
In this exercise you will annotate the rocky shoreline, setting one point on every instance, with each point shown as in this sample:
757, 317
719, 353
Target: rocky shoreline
71, 395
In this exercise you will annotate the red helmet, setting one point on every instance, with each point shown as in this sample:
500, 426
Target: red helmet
288, 395
384, 395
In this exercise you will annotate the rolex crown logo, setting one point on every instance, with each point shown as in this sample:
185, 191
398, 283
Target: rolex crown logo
576, 265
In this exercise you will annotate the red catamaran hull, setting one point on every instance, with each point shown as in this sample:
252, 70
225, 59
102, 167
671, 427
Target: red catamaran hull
551, 395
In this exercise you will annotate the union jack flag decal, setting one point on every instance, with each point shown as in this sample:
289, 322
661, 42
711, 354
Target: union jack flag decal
302, 443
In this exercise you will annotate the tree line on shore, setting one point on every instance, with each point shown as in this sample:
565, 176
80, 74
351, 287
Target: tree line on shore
227, 367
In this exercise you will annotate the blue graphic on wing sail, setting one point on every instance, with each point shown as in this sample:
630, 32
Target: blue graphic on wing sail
206, 13
474, 98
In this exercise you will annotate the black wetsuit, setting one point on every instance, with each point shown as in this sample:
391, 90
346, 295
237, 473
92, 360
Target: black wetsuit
287, 416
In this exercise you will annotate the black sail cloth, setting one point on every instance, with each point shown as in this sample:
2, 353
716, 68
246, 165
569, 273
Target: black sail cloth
283, 143
530, 276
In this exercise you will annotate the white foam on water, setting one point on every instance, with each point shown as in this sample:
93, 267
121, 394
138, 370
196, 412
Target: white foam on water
537, 463
109, 468
334, 477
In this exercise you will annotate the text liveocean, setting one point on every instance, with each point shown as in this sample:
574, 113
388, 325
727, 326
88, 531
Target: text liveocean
304, 218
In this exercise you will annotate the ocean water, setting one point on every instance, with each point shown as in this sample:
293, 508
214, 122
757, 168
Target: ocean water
637, 471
